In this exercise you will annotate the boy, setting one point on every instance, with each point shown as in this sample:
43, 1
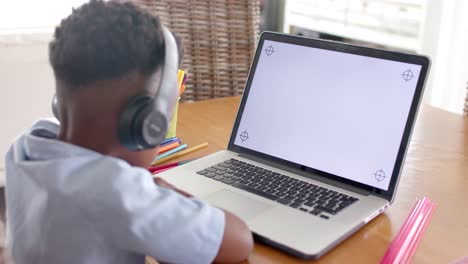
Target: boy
75, 193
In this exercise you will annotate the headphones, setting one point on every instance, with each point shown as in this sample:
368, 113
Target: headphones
144, 121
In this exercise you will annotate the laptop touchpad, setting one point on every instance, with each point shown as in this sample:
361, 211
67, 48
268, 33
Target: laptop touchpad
239, 204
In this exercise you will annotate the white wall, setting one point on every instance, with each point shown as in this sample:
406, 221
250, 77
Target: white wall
26, 80
445, 40
27, 86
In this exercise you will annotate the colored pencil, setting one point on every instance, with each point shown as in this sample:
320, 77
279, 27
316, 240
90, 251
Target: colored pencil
182, 86
184, 152
180, 78
161, 170
170, 152
185, 76
168, 140
182, 89
169, 146
169, 165
162, 167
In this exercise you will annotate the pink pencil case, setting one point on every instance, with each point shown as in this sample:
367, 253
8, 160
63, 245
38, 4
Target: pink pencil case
407, 240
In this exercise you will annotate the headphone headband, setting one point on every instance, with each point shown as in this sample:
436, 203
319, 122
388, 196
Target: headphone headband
166, 97
144, 121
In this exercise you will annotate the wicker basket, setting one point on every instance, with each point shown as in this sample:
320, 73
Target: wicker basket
219, 38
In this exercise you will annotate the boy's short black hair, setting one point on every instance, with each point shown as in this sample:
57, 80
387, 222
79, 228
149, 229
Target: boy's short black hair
106, 40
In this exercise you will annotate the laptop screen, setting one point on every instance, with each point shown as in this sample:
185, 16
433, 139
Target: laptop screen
331, 111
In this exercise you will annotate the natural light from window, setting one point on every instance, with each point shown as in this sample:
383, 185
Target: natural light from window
31, 16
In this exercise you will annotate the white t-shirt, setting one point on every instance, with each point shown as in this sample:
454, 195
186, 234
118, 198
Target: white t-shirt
68, 204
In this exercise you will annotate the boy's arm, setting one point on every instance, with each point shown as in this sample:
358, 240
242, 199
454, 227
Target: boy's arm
237, 240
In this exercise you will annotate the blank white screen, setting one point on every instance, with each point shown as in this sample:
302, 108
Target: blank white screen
336, 112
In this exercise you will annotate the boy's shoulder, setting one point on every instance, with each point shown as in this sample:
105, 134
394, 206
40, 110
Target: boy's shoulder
110, 174
66, 168
106, 182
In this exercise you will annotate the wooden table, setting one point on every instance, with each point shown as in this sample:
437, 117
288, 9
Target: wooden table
436, 166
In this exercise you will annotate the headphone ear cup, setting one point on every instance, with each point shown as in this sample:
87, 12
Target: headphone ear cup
140, 125
153, 126
128, 127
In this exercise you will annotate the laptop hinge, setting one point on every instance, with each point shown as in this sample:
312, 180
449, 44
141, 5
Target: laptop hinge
307, 175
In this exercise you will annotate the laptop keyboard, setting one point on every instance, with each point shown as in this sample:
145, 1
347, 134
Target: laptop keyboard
283, 189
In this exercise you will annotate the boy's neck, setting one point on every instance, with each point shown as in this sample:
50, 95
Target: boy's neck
94, 136
102, 138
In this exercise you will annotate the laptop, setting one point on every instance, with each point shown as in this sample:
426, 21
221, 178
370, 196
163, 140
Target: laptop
319, 142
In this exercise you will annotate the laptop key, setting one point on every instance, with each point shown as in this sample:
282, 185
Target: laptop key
253, 179
254, 191
219, 168
228, 181
276, 182
219, 178
315, 212
351, 201
301, 195
274, 186
280, 194
284, 201
301, 201
225, 165
345, 203
325, 209
339, 208
210, 175
263, 183
320, 202
202, 172
295, 205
